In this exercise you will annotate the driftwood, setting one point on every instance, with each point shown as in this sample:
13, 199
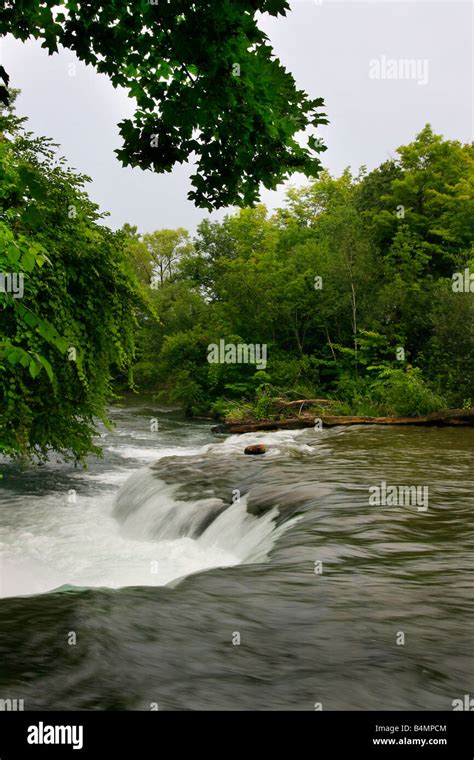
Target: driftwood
451, 417
281, 403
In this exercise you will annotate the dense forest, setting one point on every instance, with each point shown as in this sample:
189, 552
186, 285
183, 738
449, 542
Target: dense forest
359, 289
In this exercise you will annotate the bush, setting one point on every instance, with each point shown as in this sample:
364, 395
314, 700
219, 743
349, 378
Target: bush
356, 396
405, 393
396, 392
187, 392
264, 407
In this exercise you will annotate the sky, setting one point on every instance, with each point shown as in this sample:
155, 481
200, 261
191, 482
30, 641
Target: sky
353, 54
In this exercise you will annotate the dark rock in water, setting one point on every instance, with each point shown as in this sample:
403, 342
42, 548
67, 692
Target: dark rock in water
219, 429
257, 448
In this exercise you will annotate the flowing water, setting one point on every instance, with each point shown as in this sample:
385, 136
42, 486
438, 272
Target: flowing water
178, 572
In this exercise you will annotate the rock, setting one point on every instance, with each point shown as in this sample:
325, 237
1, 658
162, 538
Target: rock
219, 428
257, 448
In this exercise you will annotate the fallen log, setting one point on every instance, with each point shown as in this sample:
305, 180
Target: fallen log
450, 417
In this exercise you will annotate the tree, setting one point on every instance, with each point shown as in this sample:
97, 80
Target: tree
180, 308
352, 298
72, 327
138, 255
206, 83
165, 250
430, 190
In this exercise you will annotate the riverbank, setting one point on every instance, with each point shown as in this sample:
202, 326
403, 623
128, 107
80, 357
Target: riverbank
308, 420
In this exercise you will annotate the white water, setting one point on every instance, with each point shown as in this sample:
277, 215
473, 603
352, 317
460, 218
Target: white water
49, 542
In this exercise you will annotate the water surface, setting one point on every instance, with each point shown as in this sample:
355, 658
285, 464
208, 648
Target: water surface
175, 546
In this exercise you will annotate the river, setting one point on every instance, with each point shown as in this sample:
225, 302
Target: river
179, 574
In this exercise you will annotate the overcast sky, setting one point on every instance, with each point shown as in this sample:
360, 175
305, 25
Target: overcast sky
336, 50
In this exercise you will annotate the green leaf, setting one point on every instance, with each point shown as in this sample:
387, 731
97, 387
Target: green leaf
28, 261
35, 368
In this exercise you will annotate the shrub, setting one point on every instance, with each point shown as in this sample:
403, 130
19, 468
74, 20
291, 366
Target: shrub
405, 393
397, 392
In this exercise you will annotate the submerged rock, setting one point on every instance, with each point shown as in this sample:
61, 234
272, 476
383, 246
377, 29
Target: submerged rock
257, 448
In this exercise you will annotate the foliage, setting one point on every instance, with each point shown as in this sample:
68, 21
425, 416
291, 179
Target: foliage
72, 330
206, 82
394, 392
349, 286
404, 392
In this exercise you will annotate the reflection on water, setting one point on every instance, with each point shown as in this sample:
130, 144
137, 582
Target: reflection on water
336, 601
